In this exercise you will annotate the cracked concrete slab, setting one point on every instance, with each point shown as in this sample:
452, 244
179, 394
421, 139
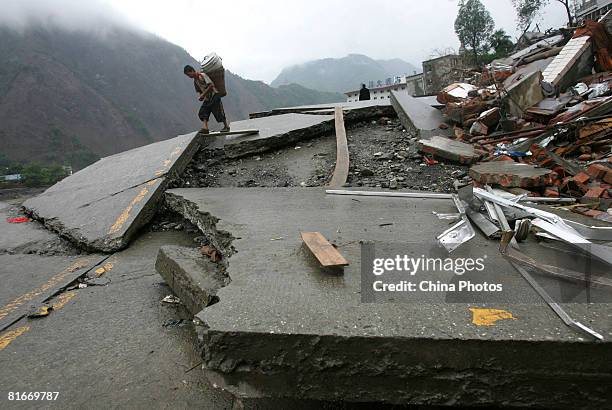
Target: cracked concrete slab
101, 207
194, 278
452, 150
417, 116
274, 132
285, 328
511, 174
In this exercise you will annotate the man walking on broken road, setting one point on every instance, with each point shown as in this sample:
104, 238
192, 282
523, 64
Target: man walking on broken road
211, 100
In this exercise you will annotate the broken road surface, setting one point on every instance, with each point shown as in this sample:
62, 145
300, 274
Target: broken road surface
102, 206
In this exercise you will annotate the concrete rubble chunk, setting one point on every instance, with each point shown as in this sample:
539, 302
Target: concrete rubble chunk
417, 116
524, 94
284, 328
447, 148
194, 278
102, 206
511, 174
274, 132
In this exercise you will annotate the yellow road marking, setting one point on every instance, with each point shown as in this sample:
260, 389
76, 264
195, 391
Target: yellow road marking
11, 335
10, 307
488, 317
106, 268
122, 219
8, 337
63, 299
126, 212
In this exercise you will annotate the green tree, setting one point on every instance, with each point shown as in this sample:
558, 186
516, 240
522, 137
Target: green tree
527, 11
474, 27
501, 43
36, 175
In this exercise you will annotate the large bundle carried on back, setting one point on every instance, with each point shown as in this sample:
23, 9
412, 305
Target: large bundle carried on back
213, 67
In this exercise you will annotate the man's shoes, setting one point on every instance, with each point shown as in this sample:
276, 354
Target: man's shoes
204, 131
225, 129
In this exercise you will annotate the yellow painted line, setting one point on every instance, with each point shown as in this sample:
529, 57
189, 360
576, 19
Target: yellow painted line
63, 299
25, 298
106, 268
8, 337
125, 215
488, 317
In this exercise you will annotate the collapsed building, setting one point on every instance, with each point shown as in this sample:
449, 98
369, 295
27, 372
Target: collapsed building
292, 207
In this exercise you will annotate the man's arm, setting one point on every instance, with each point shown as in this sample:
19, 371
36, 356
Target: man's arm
210, 86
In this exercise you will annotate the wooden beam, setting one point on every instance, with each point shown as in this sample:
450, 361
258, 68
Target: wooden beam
326, 254
342, 153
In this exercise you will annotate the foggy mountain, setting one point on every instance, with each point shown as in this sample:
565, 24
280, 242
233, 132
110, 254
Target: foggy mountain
70, 96
342, 74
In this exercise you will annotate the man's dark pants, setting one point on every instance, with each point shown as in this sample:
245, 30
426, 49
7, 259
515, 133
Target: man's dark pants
212, 105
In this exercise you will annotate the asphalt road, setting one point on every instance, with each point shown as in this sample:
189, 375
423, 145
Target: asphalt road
105, 346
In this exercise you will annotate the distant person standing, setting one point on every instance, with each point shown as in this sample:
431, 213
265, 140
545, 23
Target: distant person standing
364, 93
211, 100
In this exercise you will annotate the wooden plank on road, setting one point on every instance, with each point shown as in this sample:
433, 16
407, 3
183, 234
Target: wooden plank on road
342, 153
324, 251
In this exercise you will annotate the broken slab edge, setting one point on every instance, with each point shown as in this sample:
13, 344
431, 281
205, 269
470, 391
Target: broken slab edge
408, 371
206, 223
191, 276
258, 146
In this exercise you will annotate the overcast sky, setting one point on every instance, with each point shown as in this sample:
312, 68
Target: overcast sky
257, 39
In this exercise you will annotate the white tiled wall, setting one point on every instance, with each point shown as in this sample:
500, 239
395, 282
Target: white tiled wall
566, 58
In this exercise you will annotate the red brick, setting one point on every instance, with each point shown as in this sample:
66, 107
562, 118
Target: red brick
504, 158
582, 178
597, 171
582, 187
593, 213
595, 192
551, 192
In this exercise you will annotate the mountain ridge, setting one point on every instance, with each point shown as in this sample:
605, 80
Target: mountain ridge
342, 74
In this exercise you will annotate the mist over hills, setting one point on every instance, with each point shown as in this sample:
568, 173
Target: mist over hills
342, 74
70, 96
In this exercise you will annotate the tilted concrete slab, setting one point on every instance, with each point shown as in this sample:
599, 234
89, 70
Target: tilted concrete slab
285, 328
274, 132
511, 174
102, 206
417, 116
447, 148
194, 278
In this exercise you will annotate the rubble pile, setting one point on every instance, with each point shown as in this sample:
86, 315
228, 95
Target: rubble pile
538, 122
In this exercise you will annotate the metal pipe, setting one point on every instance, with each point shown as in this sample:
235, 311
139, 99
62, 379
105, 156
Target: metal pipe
429, 195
